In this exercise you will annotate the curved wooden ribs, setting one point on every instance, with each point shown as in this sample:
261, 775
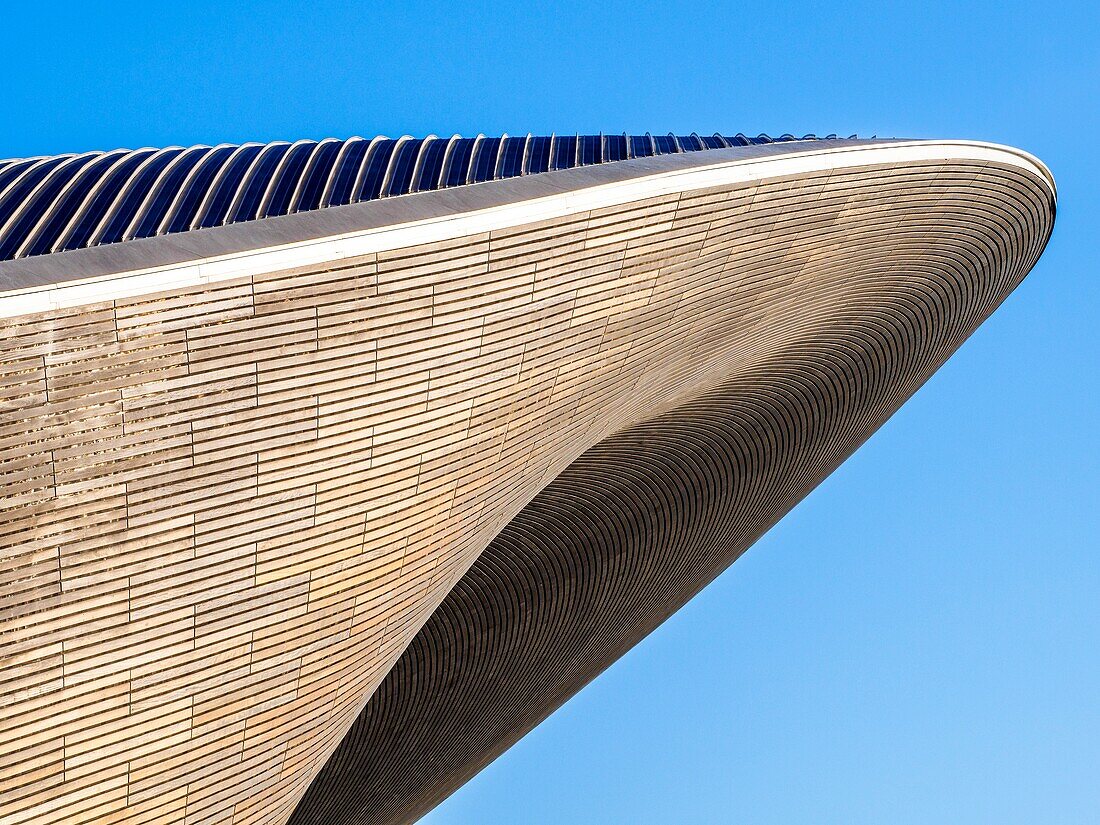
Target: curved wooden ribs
230, 509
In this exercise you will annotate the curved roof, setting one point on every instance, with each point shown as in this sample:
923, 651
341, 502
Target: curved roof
74, 201
381, 486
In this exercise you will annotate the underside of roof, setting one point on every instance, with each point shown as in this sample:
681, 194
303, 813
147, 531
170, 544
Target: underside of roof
308, 519
642, 521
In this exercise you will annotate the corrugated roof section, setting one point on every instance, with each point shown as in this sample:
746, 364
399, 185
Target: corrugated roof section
53, 204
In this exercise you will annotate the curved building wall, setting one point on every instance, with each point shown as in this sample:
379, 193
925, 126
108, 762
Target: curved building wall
231, 505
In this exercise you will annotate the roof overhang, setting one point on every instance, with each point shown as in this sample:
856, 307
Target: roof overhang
204, 256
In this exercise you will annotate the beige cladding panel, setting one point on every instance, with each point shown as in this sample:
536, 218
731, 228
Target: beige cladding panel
227, 510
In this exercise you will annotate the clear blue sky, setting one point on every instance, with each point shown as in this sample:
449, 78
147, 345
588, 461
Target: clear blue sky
918, 641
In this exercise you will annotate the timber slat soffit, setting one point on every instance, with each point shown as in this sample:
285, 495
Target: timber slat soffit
306, 519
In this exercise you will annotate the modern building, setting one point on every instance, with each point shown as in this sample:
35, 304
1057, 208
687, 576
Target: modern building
330, 469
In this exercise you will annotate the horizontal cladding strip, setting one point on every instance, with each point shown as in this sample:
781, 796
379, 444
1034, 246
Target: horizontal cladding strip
383, 239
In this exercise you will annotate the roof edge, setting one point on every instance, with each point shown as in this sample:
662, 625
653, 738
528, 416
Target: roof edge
157, 264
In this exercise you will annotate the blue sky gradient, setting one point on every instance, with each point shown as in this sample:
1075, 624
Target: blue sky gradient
919, 640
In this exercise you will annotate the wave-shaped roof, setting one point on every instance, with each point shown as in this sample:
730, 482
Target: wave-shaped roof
54, 204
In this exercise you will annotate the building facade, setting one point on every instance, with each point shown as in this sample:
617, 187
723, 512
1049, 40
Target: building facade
329, 469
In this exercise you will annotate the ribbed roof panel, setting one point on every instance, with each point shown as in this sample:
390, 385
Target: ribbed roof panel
53, 204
